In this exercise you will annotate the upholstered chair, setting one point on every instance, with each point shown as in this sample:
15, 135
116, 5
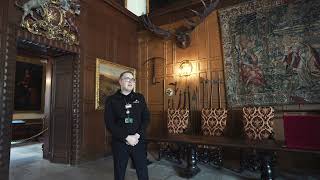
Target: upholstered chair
213, 123
177, 123
258, 126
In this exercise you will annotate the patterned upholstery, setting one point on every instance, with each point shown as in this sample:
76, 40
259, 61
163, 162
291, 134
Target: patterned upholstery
213, 121
258, 122
177, 120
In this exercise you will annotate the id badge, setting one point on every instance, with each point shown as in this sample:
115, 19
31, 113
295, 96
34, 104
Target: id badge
127, 106
128, 120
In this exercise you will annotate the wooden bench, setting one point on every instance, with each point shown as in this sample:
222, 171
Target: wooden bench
191, 142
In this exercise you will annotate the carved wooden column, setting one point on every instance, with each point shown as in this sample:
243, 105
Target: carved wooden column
76, 125
7, 71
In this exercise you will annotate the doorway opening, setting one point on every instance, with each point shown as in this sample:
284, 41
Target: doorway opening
42, 111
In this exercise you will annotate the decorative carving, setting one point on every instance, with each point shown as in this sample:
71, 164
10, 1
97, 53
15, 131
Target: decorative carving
7, 63
54, 19
76, 128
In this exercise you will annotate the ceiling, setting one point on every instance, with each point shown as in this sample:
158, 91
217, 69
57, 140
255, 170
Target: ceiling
169, 11
156, 4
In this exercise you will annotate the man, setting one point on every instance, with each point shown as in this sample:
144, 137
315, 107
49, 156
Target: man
126, 117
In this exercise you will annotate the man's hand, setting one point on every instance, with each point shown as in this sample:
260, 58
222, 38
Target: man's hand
132, 140
137, 135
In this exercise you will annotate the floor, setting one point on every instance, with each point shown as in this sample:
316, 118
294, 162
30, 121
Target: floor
27, 164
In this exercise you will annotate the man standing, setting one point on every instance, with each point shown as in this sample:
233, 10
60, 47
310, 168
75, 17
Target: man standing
127, 116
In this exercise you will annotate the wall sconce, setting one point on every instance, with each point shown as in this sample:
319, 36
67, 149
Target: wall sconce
185, 68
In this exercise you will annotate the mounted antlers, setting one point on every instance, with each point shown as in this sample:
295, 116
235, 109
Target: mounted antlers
182, 33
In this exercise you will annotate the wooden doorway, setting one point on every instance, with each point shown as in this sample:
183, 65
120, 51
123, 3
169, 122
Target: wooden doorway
61, 115
53, 49
58, 99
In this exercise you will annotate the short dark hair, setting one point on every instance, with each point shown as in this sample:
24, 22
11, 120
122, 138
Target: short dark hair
125, 73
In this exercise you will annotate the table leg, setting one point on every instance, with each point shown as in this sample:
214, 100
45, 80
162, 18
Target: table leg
192, 169
267, 172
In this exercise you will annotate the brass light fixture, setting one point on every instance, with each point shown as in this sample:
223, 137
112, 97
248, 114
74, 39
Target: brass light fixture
185, 68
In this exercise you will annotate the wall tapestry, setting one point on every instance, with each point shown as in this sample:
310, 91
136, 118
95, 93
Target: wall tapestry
107, 80
272, 52
29, 86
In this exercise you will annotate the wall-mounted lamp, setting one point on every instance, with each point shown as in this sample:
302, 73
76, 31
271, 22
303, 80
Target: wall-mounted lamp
185, 68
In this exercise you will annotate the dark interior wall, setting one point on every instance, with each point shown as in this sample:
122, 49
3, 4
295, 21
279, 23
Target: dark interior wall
107, 32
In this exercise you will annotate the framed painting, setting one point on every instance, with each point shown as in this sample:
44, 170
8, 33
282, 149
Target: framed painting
29, 85
107, 80
271, 52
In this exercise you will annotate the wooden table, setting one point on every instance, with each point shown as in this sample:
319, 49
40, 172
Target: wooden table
191, 142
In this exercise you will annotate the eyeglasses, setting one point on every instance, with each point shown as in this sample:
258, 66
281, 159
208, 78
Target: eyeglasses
129, 80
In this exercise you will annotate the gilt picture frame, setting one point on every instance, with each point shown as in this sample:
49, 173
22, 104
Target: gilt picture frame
107, 80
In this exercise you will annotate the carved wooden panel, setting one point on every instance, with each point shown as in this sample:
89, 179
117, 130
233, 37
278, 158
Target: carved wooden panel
76, 120
60, 134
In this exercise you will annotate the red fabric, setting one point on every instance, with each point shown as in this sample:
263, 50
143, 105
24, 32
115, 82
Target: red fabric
302, 131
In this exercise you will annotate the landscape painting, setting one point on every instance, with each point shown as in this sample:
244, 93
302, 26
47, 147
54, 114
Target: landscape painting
107, 80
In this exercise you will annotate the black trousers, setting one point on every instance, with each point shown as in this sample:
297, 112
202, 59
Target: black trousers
121, 153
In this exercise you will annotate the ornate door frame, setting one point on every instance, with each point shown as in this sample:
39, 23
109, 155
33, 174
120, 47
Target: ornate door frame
7, 79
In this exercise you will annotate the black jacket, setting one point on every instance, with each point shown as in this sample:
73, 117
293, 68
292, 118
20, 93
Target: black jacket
115, 114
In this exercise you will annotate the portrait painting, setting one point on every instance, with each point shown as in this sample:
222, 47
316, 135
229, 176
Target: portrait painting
29, 86
271, 52
107, 80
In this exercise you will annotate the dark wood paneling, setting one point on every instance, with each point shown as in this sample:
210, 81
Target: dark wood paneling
157, 122
109, 32
60, 134
203, 45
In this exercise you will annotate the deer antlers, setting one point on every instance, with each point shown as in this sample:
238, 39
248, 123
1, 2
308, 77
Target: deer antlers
182, 33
